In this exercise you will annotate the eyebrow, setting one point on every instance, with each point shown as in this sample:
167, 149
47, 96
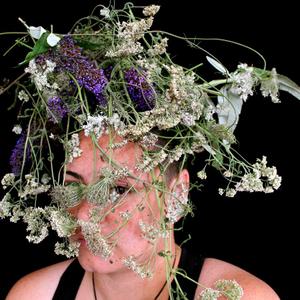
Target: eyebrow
75, 175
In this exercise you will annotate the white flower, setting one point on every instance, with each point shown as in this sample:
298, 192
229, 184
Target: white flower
35, 32
17, 129
105, 12
72, 147
22, 95
151, 10
243, 81
202, 174
8, 180
94, 125
53, 39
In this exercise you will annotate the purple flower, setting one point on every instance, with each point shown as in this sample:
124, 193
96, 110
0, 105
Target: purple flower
17, 155
141, 92
68, 58
57, 109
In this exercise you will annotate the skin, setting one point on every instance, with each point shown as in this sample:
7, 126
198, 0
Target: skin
86, 168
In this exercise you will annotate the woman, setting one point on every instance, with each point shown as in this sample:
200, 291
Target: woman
110, 278
126, 117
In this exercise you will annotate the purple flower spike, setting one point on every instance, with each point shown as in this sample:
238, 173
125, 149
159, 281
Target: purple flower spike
57, 109
141, 92
16, 158
70, 59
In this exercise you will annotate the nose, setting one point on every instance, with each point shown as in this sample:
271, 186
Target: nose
81, 211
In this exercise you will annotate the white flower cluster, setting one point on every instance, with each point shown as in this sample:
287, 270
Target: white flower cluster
69, 250
202, 175
129, 33
229, 289
270, 87
209, 294
8, 180
186, 94
243, 81
261, 179
152, 69
176, 205
22, 95
72, 147
159, 48
36, 225
32, 187
97, 125
96, 242
94, 125
5, 206
151, 10
62, 222
149, 140
148, 162
151, 232
40, 74
141, 270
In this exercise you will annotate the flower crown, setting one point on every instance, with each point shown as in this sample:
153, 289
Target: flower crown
112, 72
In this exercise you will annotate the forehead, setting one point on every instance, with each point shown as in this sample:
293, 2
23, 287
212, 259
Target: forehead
95, 157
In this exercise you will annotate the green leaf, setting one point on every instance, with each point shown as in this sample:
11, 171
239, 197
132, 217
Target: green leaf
88, 45
230, 106
41, 46
287, 85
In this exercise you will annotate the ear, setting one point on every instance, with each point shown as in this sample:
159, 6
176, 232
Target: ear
177, 200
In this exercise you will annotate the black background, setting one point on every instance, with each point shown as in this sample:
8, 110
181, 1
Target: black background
256, 232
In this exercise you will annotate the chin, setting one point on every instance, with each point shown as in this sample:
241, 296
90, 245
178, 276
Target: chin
93, 263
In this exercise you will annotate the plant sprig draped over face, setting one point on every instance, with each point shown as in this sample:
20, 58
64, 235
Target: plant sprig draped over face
113, 73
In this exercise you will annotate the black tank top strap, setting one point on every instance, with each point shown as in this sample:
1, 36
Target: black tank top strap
191, 264
69, 282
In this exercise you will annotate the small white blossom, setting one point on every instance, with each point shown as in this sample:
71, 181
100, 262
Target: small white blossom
105, 12
141, 270
36, 224
39, 74
159, 48
209, 294
62, 222
70, 249
243, 81
151, 10
202, 174
22, 95
270, 87
72, 147
32, 187
17, 129
8, 180
5, 206
96, 242
94, 125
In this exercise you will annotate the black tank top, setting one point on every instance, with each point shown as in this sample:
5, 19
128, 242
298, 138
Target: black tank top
71, 279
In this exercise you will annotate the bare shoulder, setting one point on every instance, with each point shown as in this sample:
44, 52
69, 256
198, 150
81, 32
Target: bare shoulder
39, 284
253, 287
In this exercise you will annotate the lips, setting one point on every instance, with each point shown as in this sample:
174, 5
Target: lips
77, 237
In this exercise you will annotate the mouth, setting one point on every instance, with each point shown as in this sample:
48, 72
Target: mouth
77, 237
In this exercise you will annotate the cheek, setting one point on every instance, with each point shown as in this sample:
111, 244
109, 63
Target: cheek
139, 206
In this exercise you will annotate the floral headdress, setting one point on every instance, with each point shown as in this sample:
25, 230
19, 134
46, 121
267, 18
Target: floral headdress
112, 72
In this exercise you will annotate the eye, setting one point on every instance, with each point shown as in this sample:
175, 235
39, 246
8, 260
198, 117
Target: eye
120, 189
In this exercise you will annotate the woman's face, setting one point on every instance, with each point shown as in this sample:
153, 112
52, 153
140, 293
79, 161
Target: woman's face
139, 199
